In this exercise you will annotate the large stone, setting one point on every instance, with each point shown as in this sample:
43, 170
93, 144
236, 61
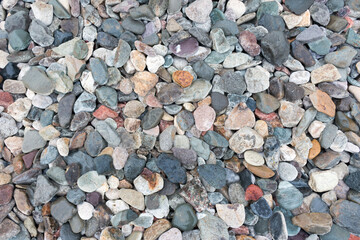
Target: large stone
323, 181
316, 223
245, 139
37, 81
346, 214
212, 227
275, 47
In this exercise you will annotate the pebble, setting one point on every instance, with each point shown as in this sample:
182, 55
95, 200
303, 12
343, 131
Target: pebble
316, 223
90, 181
154, 111
287, 172
254, 158
344, 214
325, 73
261, 208
288, 196
204, 117
212, 227
323, 103
172, 168
85, 210
323, 181
193, 11
257, 79
275, 53
290, 114
240, 141
144, 81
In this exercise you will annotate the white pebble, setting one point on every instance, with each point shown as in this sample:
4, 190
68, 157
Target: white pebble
85, 210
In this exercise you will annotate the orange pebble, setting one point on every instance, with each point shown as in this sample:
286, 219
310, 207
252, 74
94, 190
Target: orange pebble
183, 78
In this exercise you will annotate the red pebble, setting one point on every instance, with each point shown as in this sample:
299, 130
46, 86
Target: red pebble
353, 237
253, 193
248, 41
5, 99
103, 113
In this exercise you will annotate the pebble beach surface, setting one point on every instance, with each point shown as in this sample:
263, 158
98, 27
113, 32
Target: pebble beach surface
179, 119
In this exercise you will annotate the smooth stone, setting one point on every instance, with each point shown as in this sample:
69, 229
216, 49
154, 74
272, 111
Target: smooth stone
172, 168
62, 210
199, 10
321, 46
336, 233
337, 24
201, 148
49, 155
345, 214
327, 160
311, 34
353, 180
215, 139
104, 164
65, 109
112, 26
278, 226
8, 229
198, 90
317, 223
133, 167
301, 53
212, 227
90, 181
133, 198
111, 136
32, 141
213, 174
185, 120
170, 93
220, 43
236, 59
75, 196
261, 208
232, 214
318, 205
320, 13
37, 81
328, 135
288, 196
298, 8
107, 96
323, 181
219, 101
59, 10
203, 70
266, 103
19, 39
40, 34
287, 172
152, 118
85, 161
66, 232
239, 141
123, 217
99, 71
